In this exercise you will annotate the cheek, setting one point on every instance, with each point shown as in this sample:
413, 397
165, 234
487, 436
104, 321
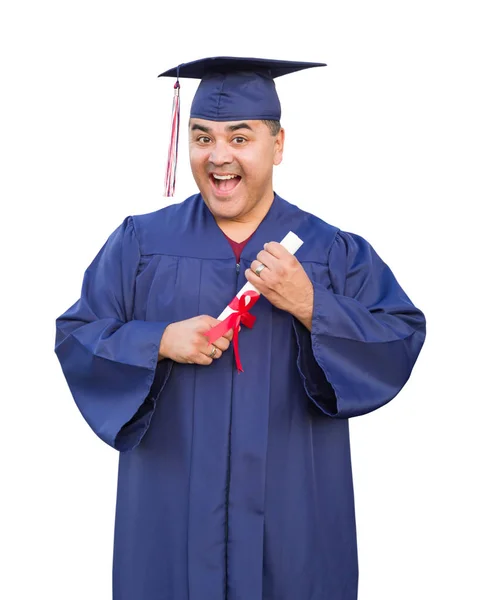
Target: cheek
197, 162
256, 164
261, 168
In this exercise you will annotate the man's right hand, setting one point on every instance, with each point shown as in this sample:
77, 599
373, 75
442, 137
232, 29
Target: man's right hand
185, 342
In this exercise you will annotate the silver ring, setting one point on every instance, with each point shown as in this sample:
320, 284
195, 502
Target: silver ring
212, 353
260, 269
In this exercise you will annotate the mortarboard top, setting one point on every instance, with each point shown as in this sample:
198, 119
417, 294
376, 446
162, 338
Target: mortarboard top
231, 89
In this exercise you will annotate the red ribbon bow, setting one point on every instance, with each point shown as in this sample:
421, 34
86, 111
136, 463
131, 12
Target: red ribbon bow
241, 315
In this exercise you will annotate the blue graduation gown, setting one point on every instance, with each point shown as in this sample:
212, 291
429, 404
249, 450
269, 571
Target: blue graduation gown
234, 486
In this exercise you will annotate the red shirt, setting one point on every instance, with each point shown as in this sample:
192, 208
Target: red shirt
238, 247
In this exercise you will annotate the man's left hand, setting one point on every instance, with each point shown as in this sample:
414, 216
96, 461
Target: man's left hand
283, 282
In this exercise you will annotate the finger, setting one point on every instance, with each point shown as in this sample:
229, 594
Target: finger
212, 350
257, 282
227, 335
206, 330
215, 355
277, 250
222, 344
198, 358
263, 273
208, 322
212, 353
202, 359
268, 259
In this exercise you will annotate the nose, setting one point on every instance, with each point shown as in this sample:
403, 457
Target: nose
220, 154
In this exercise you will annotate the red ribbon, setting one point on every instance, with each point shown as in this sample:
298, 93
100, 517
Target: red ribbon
233, 321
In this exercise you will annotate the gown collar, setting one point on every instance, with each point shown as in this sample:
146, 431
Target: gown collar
273, 227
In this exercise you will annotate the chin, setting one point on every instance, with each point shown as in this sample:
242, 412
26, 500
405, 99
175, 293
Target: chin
224, 210
226, 207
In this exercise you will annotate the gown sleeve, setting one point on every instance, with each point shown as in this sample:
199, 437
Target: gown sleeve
366, 334
109, 359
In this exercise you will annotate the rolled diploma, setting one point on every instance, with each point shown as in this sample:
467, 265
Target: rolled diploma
291, 242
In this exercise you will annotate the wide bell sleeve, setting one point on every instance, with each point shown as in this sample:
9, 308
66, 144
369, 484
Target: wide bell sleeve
366, 333
110, 359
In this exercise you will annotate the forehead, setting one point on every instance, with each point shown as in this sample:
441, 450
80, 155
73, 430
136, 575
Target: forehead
225, 126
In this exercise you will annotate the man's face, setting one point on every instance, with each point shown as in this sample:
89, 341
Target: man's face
232, 163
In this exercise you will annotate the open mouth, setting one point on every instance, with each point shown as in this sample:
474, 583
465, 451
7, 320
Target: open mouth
224, 184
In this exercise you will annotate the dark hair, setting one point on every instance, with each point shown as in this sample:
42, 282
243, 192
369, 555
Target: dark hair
274, 126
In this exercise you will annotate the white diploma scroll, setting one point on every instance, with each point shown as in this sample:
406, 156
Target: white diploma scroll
291, 242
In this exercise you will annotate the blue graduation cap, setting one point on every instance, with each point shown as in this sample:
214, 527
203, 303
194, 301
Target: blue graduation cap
231, 89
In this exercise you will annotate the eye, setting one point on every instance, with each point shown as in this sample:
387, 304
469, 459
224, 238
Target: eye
239, 140
203, 139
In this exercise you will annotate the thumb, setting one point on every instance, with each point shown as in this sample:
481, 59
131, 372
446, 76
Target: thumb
207, 322
230, 334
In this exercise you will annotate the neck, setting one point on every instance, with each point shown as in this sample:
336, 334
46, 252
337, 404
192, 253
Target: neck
241, 227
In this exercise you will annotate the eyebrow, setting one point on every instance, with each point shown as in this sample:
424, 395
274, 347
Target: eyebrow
201, 128
198, 127
238, 126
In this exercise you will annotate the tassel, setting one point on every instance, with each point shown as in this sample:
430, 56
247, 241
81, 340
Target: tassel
169, 186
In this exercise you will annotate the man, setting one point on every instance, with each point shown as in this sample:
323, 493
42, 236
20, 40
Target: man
235, 485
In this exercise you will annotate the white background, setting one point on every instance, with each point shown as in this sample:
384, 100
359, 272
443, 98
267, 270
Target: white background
388, 141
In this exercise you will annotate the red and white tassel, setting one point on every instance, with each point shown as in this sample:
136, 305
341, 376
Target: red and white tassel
169, 186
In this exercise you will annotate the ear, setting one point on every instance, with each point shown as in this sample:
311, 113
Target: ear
278, 147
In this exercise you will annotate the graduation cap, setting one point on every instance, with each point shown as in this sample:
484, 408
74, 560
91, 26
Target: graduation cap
231, 89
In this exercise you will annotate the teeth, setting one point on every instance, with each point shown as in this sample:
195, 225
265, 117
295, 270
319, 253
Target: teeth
224, 176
